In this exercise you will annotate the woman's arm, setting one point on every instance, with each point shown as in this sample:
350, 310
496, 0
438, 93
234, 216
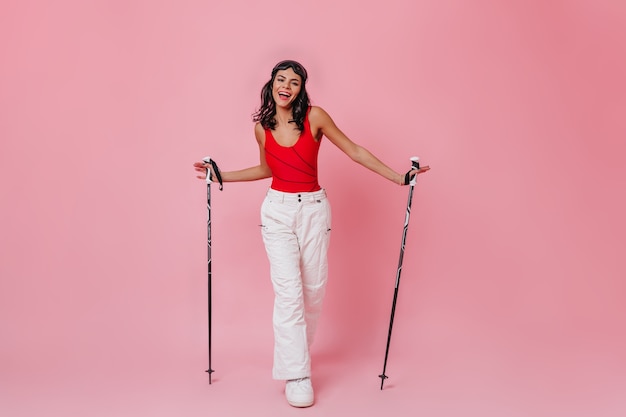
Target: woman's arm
322, 123
248, 174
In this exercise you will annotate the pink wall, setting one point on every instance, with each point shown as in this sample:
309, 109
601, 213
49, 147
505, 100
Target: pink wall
515, 252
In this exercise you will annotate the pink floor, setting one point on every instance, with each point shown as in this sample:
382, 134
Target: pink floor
449, 373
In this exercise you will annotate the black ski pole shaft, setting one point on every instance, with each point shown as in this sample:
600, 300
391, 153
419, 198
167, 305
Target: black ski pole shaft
412, 182
209, 180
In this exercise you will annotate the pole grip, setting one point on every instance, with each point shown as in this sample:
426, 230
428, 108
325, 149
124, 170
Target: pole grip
415, 164
216, 170
207, 160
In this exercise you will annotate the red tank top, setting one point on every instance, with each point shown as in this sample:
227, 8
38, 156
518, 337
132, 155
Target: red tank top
294, 168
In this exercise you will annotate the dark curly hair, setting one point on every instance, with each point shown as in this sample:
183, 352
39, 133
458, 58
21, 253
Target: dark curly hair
267, 111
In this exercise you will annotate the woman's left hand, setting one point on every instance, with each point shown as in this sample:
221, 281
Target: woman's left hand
409, 175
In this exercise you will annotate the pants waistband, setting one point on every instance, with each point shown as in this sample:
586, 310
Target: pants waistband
283, 197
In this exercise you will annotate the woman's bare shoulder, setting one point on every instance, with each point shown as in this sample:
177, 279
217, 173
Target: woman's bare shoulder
318, 116
259, 133
317, 112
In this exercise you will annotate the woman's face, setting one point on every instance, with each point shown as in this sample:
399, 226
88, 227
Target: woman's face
287, 86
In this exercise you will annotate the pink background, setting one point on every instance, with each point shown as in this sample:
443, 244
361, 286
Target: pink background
512, 300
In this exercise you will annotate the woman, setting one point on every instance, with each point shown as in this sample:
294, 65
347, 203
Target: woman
296, 215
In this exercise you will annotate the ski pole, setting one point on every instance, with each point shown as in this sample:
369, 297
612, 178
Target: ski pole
410, 181
209, 180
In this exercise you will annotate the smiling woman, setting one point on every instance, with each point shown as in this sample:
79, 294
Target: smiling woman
296, 216
284, 89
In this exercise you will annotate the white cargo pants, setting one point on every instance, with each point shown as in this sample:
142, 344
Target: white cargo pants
296, 233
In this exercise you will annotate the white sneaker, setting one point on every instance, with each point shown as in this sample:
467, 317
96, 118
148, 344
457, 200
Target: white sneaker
299, 392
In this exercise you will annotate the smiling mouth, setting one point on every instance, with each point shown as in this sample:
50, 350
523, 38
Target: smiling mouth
283, 95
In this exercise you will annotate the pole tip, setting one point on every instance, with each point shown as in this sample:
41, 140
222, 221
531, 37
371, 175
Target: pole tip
206, 159
382, 380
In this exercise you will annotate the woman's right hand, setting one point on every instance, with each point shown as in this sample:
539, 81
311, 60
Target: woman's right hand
202, 167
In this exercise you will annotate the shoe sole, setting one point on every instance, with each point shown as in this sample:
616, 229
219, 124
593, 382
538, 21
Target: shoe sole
300, 405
